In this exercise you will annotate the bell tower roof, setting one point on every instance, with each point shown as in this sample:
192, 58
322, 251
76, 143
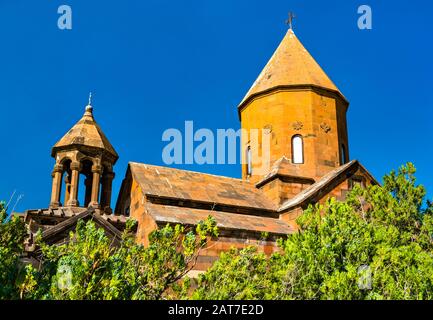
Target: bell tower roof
86, 132
291, 65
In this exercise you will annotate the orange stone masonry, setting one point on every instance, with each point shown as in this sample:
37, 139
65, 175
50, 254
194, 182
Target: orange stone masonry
293, 96
304, 115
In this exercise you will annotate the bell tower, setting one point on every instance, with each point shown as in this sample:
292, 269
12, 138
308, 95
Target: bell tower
83, 151
304, 114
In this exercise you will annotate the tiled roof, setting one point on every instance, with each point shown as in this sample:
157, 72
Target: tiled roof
71, 223
69, 212
225, 220
167, 183
200, 187
283, 167
63, 221
291, 64
88, 133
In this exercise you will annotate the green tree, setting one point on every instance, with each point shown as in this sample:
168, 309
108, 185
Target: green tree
90, 267
12, 235
239, 275
375, 245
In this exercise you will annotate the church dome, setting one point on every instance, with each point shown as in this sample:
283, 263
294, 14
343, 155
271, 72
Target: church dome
86, 132
291, 65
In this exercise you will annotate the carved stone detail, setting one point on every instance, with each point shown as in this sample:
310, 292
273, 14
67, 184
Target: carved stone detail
325, 127
267, 128
298, 125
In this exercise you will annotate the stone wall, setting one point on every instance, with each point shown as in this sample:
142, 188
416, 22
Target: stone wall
317, 115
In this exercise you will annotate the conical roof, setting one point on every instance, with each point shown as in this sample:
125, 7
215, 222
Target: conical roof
86, 132
290, 65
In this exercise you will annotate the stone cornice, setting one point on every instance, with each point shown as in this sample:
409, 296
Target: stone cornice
297, 87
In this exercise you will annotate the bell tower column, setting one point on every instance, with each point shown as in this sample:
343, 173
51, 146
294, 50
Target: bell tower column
73, 198
97, 171
107, 182
67, 188
88, 192
57, 185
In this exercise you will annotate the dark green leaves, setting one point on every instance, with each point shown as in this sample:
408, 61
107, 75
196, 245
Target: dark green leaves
375, 245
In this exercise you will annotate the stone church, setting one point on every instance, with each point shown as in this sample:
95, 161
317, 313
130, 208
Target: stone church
304, 114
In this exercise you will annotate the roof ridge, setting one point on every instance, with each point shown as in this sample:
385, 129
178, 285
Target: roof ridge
191, 171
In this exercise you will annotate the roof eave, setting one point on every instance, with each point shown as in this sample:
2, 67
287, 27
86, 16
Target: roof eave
74, 146
296, 204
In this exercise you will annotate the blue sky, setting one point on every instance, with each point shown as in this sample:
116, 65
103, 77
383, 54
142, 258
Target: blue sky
154, 64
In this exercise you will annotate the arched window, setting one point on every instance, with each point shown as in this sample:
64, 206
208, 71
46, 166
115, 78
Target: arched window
343, 154
67, 180
297, 149
85, 182
249, 161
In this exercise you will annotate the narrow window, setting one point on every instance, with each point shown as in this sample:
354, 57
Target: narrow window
343, 154
297, 149
249, 161
356, 181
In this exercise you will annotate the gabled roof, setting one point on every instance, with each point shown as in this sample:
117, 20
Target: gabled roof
58, 232
290, 65
283, 168
62, 213
321, 187
186, 197
86, 132
164, 182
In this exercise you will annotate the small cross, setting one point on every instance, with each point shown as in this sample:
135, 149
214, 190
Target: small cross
289, 21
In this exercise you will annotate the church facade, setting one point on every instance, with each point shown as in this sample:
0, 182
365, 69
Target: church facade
304, 114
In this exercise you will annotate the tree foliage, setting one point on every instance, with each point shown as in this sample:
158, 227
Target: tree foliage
90, 267
375, 245
12, 235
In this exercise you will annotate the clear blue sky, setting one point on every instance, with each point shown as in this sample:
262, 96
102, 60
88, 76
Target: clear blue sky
154, 64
